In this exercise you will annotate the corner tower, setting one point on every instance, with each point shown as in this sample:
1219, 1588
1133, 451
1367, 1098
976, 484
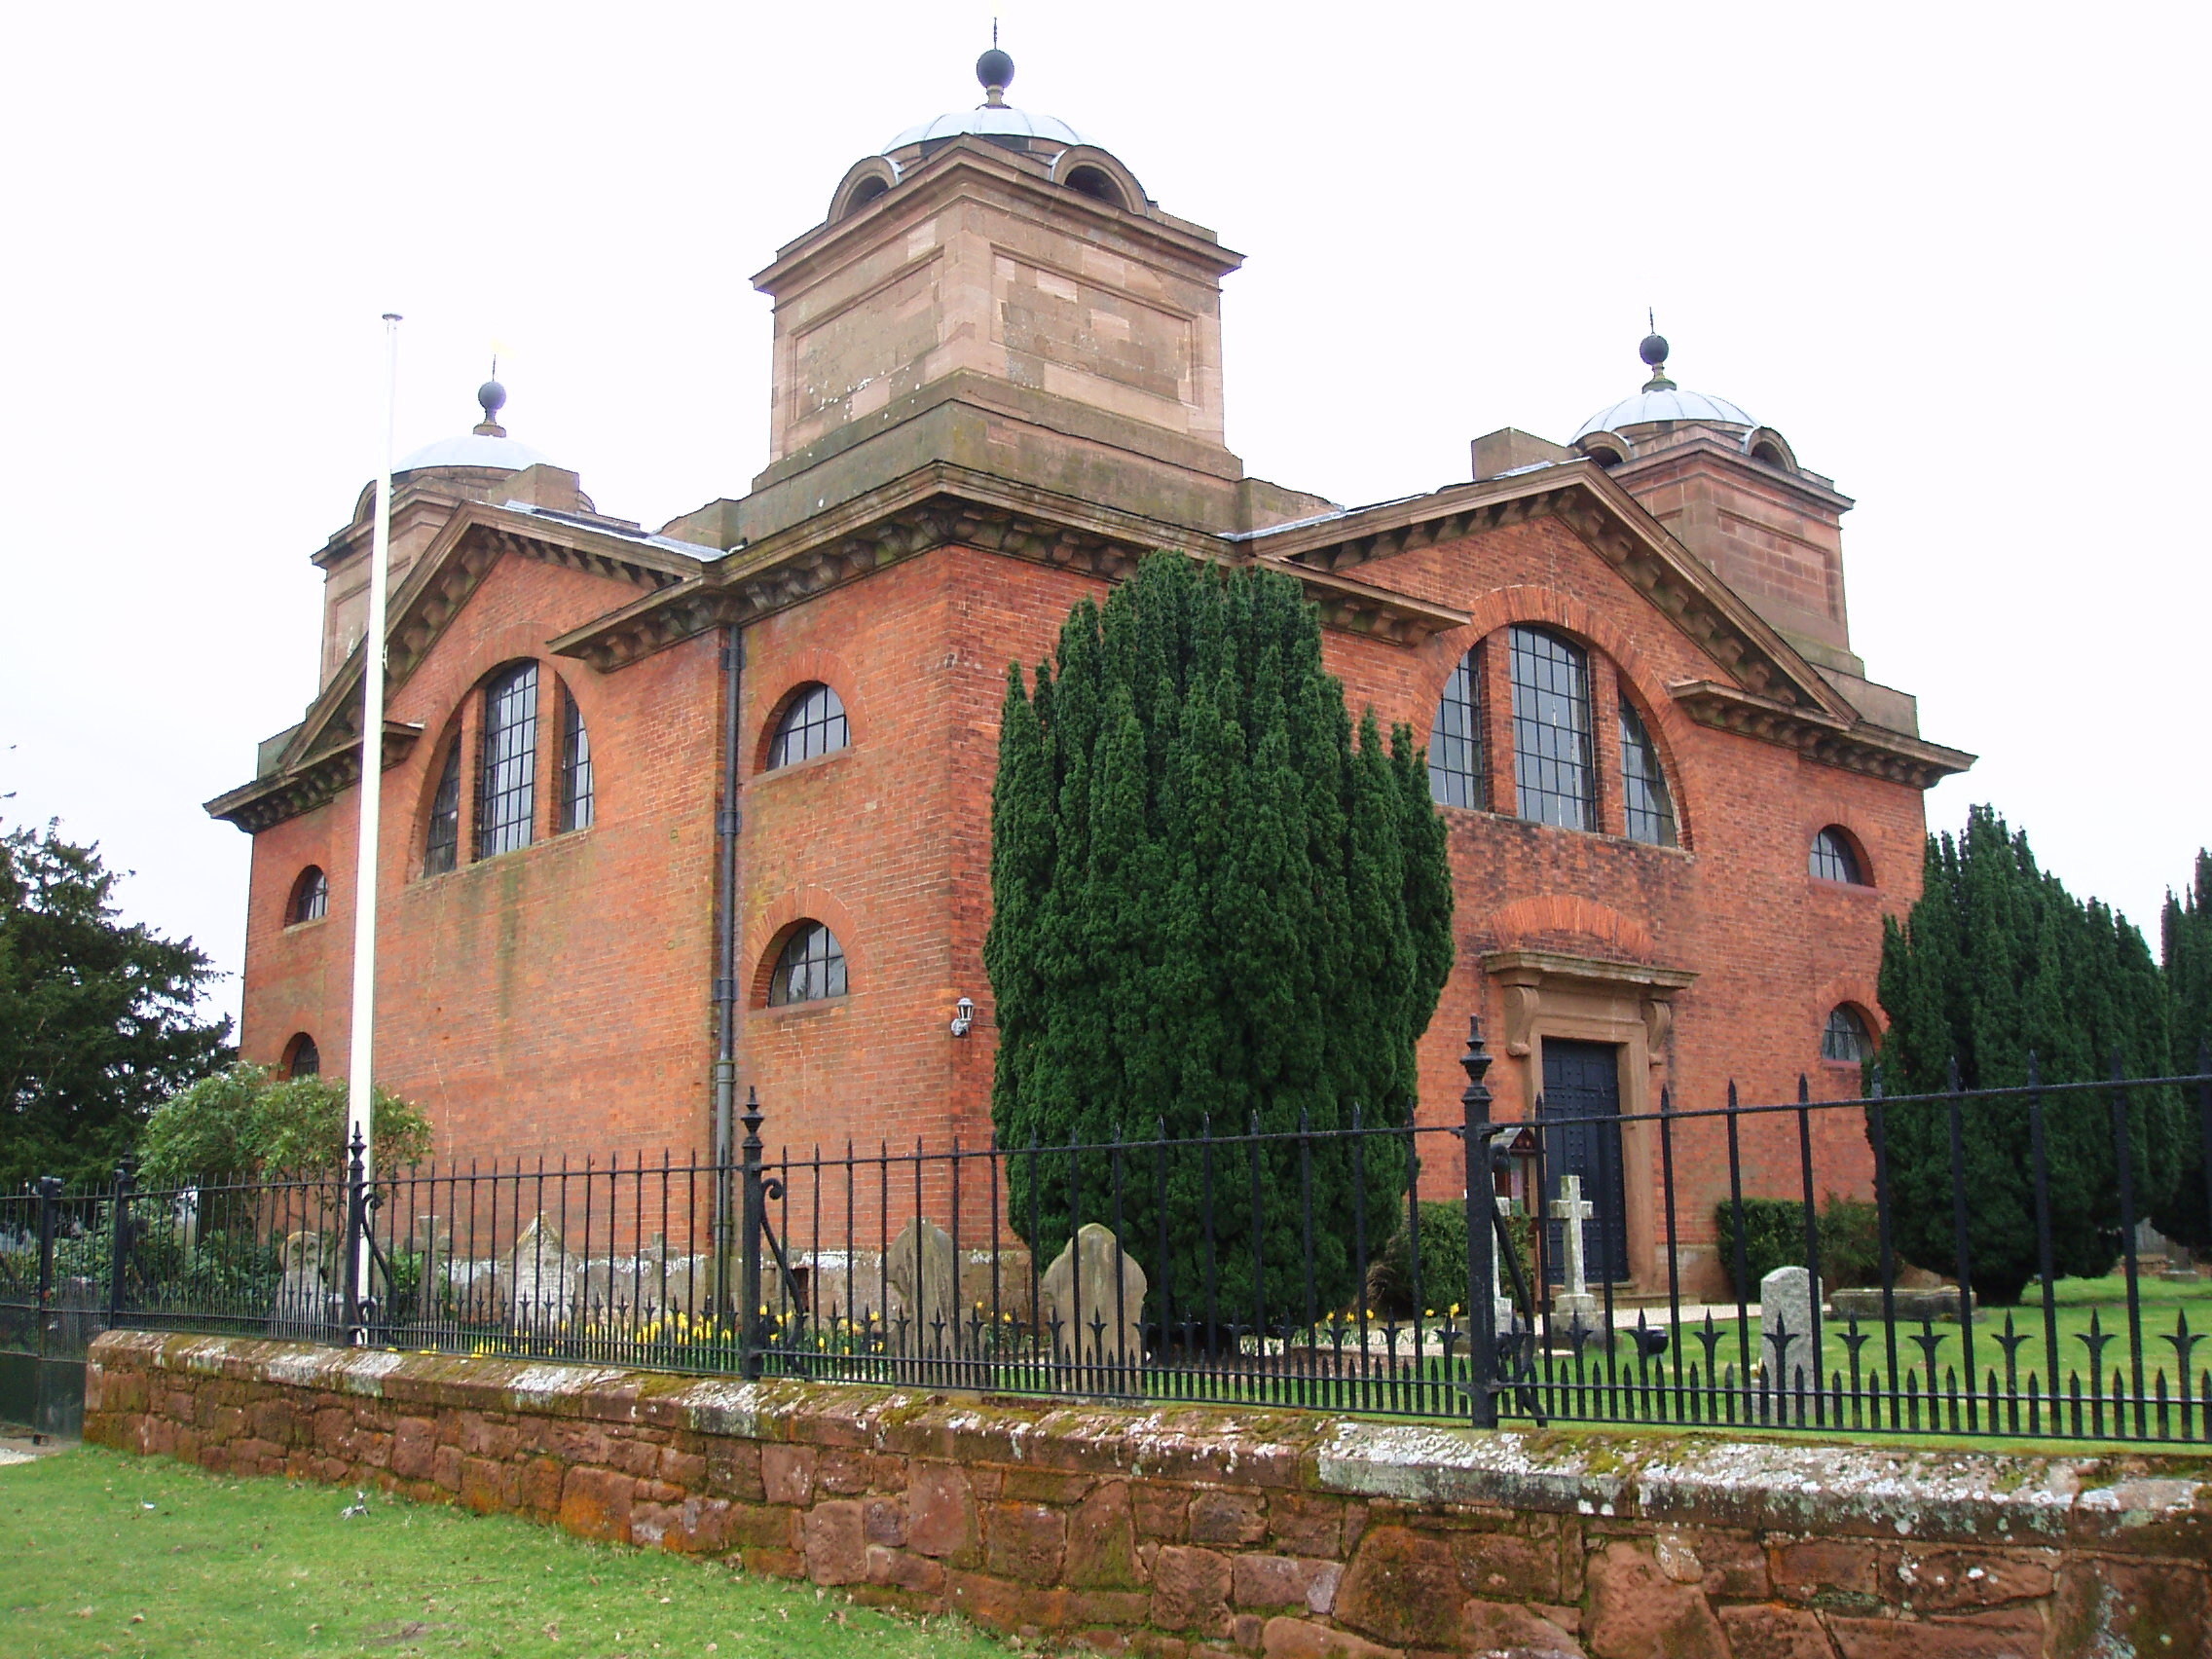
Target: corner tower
996, 291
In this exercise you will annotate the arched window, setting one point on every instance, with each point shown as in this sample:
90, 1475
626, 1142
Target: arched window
813, 724
1833, 858
302, 1059
810, 966
441, 847
1552, 770
1456, 739
1847, 1038
507, 788
1646, 804
576, 766
1095, 183
311, 898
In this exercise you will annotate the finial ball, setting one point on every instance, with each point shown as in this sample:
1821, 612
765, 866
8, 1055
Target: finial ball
1653, 351
995, 69
493, 396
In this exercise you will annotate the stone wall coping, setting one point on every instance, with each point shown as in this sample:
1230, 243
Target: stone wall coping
2130, 1501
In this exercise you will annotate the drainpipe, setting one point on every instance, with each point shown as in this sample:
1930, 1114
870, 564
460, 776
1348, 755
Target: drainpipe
726, 823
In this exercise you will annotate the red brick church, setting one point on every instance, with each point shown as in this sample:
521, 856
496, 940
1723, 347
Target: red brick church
722, 791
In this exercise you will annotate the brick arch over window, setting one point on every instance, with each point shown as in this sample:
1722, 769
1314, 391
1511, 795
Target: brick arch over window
1642, 681
792, 675
1552, 916
765, 938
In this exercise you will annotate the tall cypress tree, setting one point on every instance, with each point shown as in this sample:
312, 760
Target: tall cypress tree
1998, 962
2185, 952
1219, 909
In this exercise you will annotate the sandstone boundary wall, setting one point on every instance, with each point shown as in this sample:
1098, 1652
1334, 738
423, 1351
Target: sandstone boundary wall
1188, 1530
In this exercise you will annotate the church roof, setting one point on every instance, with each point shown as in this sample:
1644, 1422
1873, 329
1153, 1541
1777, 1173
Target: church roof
990, 120
1663, 403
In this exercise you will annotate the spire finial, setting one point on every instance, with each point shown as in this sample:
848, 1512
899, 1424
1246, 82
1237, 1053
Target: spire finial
492, 397
995, 69
1653, 352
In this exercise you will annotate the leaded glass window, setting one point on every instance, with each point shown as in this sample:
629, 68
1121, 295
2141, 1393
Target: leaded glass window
442, 845
1832, 858
310, 897
575, 766
811, 967
1847, 1038
307, 1058
507, 788
1552, 770
813, 724
1456, 740
1646, 806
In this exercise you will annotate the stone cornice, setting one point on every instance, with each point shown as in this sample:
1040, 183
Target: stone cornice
1532, 966
944, 505
1615, 526
1853, 744
308, 783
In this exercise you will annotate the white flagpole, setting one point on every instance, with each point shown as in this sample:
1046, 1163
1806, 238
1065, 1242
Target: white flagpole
361, 1051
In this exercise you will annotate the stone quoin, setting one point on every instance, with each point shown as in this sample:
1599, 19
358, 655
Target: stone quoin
1678, 808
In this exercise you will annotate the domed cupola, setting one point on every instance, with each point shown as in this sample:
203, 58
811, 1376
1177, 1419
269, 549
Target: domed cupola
994, 118
483, 448
1661, 399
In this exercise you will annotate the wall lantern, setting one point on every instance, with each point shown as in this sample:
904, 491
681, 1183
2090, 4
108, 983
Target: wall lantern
962, 1016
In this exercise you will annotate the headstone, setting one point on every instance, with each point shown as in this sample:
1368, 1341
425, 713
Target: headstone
1092, 1303
305, 1291
1573, 1210
544, 1280
1785, 1326
1942, 1303
925, 1299
1502, 1303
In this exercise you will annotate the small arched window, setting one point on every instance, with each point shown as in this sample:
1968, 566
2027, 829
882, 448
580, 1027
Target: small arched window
1095, 183
441, 845
575, 766
302, 1059
1647, 806
311, 898
1834, 860
506, 789
810, 968
1847, 1039
813, 724
1456, 739
1552, 770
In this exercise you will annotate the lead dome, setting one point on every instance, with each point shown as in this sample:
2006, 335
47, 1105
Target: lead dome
994, 117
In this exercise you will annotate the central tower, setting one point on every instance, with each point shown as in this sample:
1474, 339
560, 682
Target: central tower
995, 291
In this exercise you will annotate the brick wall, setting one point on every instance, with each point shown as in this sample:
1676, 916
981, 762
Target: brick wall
1194, 1531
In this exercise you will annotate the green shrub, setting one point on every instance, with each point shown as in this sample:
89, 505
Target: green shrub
1442, 1261
242, 1122
1774, 1237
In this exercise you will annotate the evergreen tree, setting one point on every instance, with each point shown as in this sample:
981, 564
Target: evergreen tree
99, 1022
2186, 942
1216, 909
1995, 962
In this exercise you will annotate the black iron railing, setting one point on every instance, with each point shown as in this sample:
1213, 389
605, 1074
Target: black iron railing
1810, 1264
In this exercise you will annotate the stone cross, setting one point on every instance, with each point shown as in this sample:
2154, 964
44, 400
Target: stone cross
1572, 1210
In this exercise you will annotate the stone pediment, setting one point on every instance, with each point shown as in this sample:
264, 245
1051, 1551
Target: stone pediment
322, 755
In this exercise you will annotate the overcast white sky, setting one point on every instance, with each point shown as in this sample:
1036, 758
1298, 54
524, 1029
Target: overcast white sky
1954, 253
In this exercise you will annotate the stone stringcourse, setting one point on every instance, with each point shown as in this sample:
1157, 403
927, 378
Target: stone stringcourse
1186, 1530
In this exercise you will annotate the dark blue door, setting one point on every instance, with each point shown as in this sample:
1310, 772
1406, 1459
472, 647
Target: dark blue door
1580, 1109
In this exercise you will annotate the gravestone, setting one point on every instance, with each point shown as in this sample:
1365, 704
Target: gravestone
1092, 1303
305, 1294
925, 1301
1500, 1299
1785, 1326
1572, 1212
544, 1280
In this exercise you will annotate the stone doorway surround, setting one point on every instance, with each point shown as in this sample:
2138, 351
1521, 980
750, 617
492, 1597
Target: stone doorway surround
1628, 1005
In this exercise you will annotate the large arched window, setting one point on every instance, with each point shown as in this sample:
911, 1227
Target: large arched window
302, 1059
1847, 1038
810, 966
441, 845
1834, 858
575, 766
1647, 806
1456, 740
311, 898
507, 788
813, 724
1552, 770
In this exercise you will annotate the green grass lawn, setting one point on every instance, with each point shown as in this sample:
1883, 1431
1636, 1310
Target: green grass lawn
108, 1553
